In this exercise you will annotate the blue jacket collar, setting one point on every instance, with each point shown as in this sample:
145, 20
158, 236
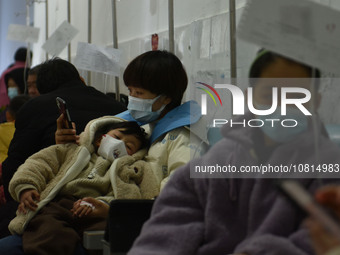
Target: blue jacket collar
183, 115
127, 116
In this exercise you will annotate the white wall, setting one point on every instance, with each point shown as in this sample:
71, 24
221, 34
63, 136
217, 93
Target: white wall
201, 35
137, 20
11, 12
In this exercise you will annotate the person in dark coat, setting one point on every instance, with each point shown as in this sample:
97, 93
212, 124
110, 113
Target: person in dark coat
36, 121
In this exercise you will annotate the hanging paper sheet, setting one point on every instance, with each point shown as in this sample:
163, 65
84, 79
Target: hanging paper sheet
95, 58
61, 37
302, 30
23, 33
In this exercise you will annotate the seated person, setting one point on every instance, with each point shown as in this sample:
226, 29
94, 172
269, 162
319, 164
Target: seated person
51, 182
35, 124
170, 121
156, 81
32, 89
241, 215
19, 62
7, 129
15, 82
6, 134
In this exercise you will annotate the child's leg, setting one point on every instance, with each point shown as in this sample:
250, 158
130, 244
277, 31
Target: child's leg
51, 230
54, 230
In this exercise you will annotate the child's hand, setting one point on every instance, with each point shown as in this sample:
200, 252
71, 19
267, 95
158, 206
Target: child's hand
82, 208
28, 199
89, 206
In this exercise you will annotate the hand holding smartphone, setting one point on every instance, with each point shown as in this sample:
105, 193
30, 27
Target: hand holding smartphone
304, 201
64, 110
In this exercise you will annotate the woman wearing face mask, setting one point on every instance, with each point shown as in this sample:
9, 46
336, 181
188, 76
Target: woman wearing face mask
246, 215
157, 81
264, 74
19, 62
15, 82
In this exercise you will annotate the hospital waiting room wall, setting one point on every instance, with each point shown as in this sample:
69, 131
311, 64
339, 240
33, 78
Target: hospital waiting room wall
201, 34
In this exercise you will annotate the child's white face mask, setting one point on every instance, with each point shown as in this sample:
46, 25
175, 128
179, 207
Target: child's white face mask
111, 148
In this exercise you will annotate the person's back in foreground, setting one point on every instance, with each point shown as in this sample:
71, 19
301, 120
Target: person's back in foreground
242, 216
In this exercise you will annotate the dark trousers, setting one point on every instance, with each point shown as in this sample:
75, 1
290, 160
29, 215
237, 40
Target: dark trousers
54, 230
7, 213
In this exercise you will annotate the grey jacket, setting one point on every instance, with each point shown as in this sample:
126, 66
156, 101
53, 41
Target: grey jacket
226, 216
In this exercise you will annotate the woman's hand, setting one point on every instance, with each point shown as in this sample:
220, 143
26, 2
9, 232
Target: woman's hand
28, 199
64, 135
323, 241
329, 196
91, 207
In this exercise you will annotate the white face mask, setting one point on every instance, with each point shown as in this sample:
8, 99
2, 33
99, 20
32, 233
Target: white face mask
141, 109
279, 133
12, 92
111, 148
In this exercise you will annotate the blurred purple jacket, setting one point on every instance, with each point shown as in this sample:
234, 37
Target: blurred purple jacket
226, 216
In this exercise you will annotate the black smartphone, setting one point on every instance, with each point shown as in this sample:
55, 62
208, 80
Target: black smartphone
64, 110
304, 201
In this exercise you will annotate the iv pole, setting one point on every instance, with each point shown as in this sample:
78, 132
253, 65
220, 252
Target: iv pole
89, 35
46, 22
171, 26
69, 21
28, 55
115, 42
232, 21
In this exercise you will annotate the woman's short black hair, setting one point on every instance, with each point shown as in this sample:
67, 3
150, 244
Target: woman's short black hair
131, 128
159, 72
265, 58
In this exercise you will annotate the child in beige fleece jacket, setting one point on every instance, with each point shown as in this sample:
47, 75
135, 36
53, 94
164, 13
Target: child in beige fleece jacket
52, 183
132, 139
